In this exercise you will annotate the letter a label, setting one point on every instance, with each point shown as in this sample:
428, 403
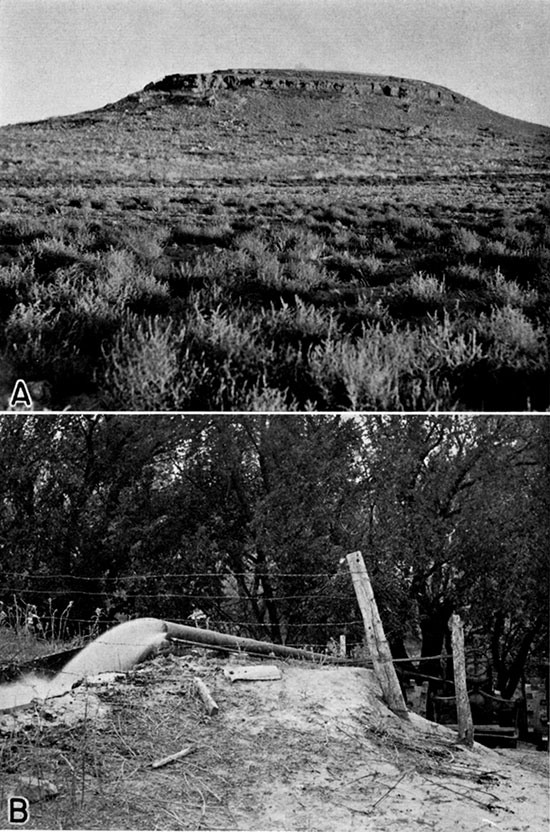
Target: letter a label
18, 810
20, 395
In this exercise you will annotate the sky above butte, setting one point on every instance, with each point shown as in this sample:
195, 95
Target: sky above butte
65, 56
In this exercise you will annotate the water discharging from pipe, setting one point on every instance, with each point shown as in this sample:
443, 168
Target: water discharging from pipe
116, 650
127, 644
28, 687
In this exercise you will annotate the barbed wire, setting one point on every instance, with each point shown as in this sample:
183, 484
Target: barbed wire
188, 595
52, 619
250, 623
307, 648
172, 575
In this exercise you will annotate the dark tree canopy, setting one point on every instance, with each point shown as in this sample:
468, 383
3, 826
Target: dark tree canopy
249, 519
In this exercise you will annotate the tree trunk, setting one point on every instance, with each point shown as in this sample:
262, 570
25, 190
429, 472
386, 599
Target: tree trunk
434, 630
270, 603
497, 662
515, 670
399, 651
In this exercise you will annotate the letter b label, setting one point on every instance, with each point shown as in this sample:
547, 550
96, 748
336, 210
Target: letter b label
18, 810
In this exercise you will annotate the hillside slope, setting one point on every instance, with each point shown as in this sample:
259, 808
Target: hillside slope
262, 125
296, 204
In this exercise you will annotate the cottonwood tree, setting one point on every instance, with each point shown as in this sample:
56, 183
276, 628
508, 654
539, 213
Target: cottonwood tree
274, 490
441, 526
249, 517
68, 485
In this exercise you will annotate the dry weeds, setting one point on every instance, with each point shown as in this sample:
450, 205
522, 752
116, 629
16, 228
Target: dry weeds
317, 750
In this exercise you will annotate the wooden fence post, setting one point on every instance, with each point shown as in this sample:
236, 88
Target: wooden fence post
376, 639
463, 710
342, 649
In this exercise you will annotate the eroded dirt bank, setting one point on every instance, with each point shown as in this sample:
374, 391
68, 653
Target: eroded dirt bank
315, 750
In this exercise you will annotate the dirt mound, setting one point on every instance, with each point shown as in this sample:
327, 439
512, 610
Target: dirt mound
315, 750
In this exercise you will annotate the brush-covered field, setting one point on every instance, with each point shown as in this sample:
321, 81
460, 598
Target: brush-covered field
281, 249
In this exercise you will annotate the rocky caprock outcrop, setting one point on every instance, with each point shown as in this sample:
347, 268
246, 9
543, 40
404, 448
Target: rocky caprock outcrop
207, 84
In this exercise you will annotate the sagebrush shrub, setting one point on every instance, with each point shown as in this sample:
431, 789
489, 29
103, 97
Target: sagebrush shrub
495, 248
513, 335
465, 240
261, 398
509, 292
465, 274
142, 367
304, 275
442, 344
368, 369
425, 286
299, 319
15, 286
394, 369
306, 245
15, 230
230, 333
255, 245
419, 229
126, 281
371, 265
384, 246
29, 335
147, 247
269, 270
232, 314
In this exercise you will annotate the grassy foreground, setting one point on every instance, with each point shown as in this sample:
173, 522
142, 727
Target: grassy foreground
392, 310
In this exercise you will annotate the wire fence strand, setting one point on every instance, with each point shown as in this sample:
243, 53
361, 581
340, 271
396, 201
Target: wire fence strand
161, 575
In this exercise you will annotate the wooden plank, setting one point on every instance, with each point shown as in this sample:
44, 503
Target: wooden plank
376, 638
498, 730
463, 710
252, 673
209, 702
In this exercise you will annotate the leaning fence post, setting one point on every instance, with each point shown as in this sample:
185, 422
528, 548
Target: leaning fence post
376, 639
463, 710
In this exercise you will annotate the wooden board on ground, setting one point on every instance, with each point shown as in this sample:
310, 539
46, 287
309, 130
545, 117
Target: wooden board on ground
252, 673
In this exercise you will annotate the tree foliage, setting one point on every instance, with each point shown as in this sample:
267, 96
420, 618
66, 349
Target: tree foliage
457, 512
249, 518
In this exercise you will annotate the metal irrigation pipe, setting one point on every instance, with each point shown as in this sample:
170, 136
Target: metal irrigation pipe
211, 638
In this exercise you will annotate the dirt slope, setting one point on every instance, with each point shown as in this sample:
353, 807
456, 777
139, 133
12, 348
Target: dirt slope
316, 750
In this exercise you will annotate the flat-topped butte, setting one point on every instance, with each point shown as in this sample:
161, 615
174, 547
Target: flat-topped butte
310, 80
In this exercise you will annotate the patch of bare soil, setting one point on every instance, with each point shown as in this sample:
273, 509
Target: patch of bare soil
315, 750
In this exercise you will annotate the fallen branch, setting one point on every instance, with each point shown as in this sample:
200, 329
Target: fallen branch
209, 703
391, 788
467, 794
177, 756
